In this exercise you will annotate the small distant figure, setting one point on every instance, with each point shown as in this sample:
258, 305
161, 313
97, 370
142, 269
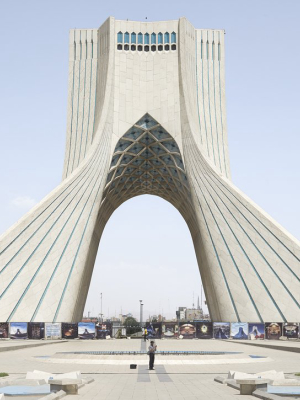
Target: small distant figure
145, 334
151, 352
18, 332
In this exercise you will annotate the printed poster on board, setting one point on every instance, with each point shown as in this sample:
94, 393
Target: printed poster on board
273, 330
291, 330
153, 330
18, 330
3, 330
169, 330
239, 330
221, 330
187, 330
53, 330
86, 330
103, 330
36, 330
69, 331
204, 330
256, 330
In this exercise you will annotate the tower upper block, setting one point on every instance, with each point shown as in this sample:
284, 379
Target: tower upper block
147, 115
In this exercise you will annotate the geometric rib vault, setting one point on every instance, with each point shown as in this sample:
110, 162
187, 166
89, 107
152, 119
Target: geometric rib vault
146, 115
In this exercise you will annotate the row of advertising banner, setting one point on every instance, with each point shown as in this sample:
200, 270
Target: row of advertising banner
224, 330
41, 330
167, 330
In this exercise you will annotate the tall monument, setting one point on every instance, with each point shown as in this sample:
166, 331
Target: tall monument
146, 115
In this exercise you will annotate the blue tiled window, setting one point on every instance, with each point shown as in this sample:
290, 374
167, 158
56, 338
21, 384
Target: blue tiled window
140, 38
146, 38
173, 37
160, 38
153, 38
120, 37
126, 37
167, 37
133, 38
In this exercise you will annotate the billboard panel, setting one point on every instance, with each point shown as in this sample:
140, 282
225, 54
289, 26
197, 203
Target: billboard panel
169, 330
103, 330
273, 330
204, 330
221, 330
187, 330
69, 331
239, 330
36, 330
291, 330
3, 330
18, 330
86, 330
256, 330
52, 330
153, 330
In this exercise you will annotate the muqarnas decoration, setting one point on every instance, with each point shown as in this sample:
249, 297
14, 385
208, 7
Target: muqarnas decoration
291, 330
204, 330
36, 330
169, 330
256, 331
273, 330
3, 330
86, 330
103, 330
187, 330
69, 331
239, 330
18, 330
221, 330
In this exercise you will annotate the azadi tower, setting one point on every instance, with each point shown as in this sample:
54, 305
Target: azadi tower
146, 115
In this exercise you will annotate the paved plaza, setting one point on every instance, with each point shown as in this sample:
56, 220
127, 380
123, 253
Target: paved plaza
175, 376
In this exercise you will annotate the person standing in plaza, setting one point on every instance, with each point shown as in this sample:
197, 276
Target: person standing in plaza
151, 352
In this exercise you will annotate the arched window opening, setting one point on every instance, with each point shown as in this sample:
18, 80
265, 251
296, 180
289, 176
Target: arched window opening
133, 38
146, 48
133, 47
140, 38
126, 47
167, 37
173, 47
173, 37
126, 37
146, 38
153, 48
167, 47
160, 47
119, 47
160, 38
140, 48
120, 37
153, 38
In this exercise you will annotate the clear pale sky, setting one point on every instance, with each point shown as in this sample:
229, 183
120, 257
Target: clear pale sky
146, 251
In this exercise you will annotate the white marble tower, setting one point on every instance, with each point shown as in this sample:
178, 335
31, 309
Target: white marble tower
146, 115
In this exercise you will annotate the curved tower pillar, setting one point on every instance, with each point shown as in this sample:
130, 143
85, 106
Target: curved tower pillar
146, 115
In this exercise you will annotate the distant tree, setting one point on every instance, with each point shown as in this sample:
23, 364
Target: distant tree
132, 325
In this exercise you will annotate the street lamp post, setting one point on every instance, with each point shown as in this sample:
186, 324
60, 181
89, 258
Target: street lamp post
141, 313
